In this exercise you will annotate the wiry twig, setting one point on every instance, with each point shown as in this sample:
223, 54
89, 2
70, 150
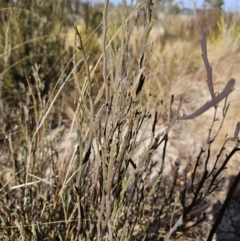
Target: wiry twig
235, 136
225, 109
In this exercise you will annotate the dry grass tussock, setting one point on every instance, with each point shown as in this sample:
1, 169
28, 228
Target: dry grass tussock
142, 158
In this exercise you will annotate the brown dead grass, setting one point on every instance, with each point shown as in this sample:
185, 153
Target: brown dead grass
179, 70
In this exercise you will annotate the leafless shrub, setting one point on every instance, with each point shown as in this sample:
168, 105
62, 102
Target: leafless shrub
110, 175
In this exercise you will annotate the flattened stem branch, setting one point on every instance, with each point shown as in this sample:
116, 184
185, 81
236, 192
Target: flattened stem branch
226, 91
205, 60
198, 196
215, 99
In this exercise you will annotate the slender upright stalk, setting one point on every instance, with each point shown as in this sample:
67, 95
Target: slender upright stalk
104, 46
